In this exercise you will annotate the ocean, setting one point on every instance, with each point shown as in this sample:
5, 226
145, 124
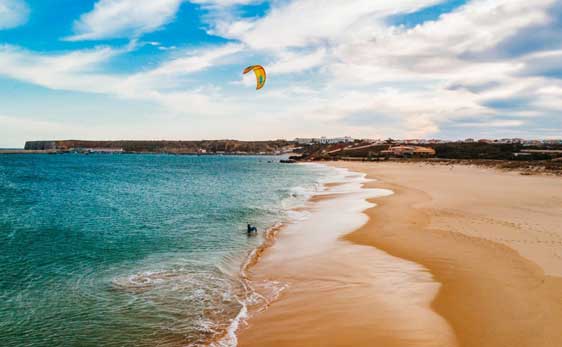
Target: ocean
135, 250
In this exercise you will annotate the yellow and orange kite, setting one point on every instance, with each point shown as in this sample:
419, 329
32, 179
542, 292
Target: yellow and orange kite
259, 71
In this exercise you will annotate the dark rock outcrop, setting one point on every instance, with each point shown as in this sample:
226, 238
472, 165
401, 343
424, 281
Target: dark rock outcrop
40, 146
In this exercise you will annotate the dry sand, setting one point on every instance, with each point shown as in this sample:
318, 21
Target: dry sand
473, 258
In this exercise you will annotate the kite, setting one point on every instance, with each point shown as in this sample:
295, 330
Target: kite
260, 75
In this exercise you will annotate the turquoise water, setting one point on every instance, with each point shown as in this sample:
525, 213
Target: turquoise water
132, 250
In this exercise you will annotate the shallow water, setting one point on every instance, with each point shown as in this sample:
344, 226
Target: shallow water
133, 250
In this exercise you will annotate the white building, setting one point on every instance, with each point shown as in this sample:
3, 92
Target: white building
101, 150
304, 140
324, 140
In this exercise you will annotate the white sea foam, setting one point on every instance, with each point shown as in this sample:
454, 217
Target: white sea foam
293, 205
297, 211
187, 290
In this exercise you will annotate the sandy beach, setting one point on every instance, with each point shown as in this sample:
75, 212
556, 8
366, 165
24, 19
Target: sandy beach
449, 256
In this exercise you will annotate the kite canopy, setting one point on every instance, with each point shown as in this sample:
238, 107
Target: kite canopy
260, 75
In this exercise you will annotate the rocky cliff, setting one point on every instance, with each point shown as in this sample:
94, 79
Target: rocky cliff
40, 145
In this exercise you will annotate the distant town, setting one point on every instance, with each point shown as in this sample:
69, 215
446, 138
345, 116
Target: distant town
319, 148
347, 139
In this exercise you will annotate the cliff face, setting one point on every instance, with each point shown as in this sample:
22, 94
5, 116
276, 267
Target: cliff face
212, 146
40, 145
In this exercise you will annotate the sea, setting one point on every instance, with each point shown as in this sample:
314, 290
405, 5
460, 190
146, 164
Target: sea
136, 250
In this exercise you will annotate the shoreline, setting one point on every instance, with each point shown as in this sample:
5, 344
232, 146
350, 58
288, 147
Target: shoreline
314, 309
255, 300
489, 294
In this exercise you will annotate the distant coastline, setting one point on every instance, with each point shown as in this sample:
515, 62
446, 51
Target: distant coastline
203, 147
527, 156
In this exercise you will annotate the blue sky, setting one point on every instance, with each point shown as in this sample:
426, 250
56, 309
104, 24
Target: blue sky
171, 69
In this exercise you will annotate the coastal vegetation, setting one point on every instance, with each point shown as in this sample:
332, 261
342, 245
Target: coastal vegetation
443, 150
528, 158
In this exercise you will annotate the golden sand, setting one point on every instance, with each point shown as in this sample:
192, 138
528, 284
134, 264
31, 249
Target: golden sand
490, 242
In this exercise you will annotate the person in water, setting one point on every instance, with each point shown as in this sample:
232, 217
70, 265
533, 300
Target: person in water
252, 229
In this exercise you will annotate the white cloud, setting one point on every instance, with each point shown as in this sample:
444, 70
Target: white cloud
13, 13
440, 48
305, 22
165, 83
493, 124
225, 3
80, 71
72, 71
289, 62
196, 60
426, 64
124, 19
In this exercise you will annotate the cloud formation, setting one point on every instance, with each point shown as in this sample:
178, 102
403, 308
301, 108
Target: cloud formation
483, 67
225, 3
307, 22
13, 13
463, 64
82, 71
428, 75
124, 19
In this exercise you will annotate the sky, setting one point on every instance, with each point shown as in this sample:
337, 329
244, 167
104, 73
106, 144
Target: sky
172, 69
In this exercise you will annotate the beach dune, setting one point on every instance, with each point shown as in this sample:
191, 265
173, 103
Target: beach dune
457, 256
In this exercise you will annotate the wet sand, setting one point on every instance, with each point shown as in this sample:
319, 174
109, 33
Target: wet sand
456, 256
